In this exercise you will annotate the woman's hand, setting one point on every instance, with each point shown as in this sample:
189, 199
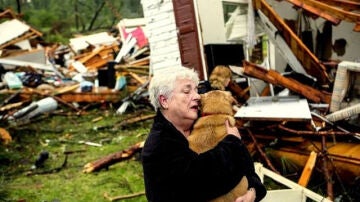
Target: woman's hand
249, 196
233, 130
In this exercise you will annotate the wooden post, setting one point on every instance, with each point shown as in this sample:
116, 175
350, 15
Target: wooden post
307, 171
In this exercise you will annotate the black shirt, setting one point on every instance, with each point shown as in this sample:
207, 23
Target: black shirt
173, 172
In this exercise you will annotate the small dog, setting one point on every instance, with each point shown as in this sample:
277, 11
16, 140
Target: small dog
209, 130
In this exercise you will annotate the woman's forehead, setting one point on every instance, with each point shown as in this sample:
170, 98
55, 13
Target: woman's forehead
185, 83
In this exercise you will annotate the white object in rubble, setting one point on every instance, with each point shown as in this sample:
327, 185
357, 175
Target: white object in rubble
12, 80
42, 106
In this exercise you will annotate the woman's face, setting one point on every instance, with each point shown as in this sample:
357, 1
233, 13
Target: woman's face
184, 102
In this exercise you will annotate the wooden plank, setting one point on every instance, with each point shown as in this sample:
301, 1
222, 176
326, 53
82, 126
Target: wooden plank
91, 97
315, 11
334, 11
307, 171
276, 78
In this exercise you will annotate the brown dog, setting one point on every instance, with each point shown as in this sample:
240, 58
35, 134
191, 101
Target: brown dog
209, 130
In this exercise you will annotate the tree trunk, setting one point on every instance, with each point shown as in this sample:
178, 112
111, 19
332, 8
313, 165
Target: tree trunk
96, 14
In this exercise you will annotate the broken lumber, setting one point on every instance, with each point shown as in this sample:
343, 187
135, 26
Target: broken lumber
116, 198
307, 59
273, 77
307, 171
238, 91
111, 159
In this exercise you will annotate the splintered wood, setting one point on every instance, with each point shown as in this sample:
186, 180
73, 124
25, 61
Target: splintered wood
111, 159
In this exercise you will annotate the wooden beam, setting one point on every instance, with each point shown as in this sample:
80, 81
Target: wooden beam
334, 11
315, 11
347, 5
276, 78
337, 9
307, 59
307, 171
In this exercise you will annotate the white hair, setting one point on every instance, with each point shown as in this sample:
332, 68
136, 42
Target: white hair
163, 83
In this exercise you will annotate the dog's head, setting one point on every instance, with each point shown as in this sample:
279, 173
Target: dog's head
220, 77
217, 102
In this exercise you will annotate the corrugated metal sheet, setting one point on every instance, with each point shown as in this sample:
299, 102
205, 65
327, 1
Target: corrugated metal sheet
12, 29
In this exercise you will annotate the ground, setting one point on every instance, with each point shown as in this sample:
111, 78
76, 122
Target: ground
62, 132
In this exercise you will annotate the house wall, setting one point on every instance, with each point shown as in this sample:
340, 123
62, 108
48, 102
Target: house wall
212, 21
162, 34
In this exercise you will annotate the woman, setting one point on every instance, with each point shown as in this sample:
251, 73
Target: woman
172, 172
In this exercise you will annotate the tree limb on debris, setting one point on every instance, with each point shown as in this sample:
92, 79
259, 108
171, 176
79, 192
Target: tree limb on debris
262, 153
111, 159
316, 133
115, 198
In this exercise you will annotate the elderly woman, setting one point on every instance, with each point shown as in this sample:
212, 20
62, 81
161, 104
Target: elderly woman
173, 172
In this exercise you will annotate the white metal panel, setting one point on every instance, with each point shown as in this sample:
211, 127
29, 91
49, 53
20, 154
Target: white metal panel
83, 42
14, 63
12, 29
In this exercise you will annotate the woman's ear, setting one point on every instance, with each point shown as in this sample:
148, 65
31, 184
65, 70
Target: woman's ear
163, 102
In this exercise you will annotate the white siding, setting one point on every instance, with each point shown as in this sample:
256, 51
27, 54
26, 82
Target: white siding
162, 34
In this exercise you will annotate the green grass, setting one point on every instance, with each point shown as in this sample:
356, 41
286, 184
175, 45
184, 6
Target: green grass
57, 134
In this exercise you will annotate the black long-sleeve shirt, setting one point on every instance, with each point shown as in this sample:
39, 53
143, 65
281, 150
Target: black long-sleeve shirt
173, 172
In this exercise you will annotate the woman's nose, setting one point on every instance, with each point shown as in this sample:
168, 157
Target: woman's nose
197, 96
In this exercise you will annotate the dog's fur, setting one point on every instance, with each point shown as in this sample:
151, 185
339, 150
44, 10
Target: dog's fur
218, 76
209, 130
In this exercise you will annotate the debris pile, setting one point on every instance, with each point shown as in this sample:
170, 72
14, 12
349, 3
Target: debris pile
312, 107
37, 77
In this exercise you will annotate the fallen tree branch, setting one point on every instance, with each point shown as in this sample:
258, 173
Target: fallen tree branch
262, 153
116, 198
111, 159
317, 133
